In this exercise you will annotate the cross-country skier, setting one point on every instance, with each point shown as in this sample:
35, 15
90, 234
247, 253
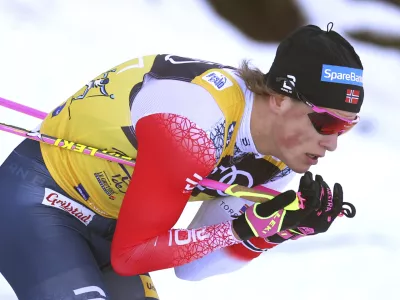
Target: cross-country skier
77, 227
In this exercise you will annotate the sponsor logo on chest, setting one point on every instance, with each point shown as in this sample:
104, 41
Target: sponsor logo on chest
218, 80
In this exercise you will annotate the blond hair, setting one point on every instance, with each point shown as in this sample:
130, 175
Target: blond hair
254, 79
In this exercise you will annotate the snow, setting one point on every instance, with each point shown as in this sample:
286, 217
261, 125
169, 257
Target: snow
49, 48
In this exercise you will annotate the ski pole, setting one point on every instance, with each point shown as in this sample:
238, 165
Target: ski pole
22, 108
234, 190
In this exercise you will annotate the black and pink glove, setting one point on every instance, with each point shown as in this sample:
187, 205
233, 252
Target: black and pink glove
318, 221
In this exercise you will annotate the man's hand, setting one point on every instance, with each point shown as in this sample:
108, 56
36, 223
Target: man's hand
318, 221
283, 212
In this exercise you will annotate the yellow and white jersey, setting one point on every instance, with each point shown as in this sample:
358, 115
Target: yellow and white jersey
103, 115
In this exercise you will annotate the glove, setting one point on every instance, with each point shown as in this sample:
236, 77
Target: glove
283, 212
321, 219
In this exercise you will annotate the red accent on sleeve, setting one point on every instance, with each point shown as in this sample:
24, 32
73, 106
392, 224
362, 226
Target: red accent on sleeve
172, 154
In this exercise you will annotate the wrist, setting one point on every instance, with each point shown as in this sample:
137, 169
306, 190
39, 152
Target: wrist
241, 228
234, 233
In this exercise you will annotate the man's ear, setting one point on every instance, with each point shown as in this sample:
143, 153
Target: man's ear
277, 103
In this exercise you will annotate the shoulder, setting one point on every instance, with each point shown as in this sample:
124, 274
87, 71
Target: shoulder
176, 97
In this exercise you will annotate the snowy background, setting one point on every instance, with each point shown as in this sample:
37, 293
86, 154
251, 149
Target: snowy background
49, 48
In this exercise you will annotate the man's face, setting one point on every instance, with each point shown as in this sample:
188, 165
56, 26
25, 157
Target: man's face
298, 143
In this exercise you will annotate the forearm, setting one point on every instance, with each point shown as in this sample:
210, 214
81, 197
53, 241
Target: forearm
216, 263
174, 248
224, 260
231, 258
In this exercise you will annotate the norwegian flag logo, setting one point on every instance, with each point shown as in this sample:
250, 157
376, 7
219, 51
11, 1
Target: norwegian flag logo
243, 209
352, 96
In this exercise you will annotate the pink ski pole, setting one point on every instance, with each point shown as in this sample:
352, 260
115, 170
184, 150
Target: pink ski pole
92, 151
22, 108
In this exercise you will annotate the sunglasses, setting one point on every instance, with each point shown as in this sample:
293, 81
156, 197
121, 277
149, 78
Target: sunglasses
324, 121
